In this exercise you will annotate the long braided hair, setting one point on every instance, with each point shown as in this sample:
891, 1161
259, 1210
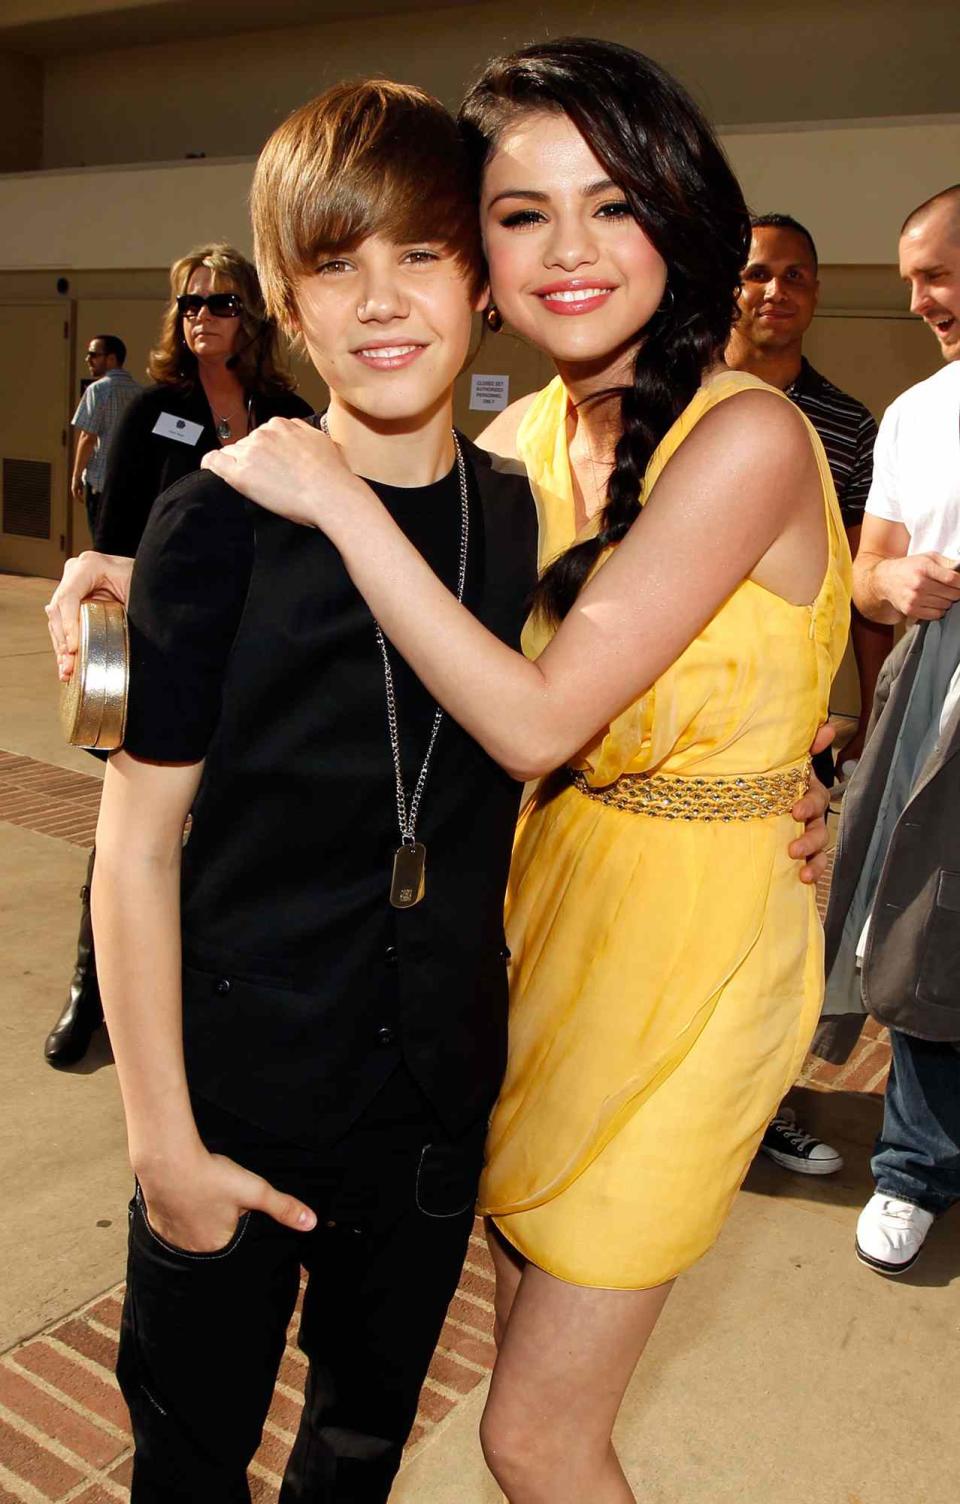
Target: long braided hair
657, 147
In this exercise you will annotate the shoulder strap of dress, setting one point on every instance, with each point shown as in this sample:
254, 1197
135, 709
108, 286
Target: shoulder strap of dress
707, 396
540, 421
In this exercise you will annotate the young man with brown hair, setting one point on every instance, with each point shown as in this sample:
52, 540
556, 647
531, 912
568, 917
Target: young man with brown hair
311, 1084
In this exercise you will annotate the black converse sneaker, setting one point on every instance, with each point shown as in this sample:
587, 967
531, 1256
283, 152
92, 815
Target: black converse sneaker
792, 1149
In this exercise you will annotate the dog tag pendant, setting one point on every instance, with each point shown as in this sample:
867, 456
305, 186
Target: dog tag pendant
409, 875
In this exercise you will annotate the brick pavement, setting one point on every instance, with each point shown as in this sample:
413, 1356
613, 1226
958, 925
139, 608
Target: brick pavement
51, 801
64, 1433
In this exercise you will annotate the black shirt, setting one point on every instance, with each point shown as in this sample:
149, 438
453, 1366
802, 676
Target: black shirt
142, 463
847, 432
250, 647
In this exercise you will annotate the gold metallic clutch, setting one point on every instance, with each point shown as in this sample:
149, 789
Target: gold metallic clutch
93, 702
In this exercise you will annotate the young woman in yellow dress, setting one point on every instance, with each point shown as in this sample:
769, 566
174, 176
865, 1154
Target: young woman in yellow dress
666, 971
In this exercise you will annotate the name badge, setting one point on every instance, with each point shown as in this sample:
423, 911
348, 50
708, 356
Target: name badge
181, 429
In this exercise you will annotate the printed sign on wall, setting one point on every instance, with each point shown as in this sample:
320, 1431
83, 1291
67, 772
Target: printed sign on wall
489, 394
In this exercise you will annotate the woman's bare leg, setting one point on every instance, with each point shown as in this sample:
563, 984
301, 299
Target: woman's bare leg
566, 1356
508, 1267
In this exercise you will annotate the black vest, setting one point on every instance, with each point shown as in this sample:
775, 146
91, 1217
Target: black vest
303, 988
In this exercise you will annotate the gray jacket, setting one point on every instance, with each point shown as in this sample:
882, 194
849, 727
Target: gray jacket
898, 855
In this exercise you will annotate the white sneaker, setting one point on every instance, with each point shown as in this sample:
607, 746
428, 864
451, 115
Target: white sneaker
890, 1233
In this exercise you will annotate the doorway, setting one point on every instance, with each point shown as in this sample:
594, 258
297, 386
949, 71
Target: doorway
35, 338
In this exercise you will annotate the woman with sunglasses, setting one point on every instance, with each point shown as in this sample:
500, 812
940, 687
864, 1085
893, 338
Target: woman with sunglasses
217, 374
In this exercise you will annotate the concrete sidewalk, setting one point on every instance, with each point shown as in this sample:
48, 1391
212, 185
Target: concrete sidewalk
782, 1372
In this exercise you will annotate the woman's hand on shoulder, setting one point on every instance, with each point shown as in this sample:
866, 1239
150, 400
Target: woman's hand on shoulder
291, 468
105, 577
500, 435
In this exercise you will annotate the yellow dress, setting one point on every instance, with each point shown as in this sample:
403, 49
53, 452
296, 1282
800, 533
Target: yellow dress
667, 973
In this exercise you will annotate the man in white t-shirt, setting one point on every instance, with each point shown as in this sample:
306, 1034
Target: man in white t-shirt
907, 569
910, 541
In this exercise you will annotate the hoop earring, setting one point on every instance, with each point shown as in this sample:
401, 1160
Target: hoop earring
667, 301
493, 318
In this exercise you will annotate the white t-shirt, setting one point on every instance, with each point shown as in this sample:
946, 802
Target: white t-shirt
916, 464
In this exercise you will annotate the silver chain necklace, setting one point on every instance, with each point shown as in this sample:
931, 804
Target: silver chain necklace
408, 883
223, 429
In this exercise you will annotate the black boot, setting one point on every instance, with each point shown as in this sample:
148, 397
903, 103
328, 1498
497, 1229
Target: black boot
70, 1036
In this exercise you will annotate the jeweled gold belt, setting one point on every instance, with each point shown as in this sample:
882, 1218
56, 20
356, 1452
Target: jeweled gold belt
753, 796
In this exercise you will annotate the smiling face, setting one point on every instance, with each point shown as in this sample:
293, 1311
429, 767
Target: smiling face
210, 339
778, 296
930, 265
570, 267
387, 326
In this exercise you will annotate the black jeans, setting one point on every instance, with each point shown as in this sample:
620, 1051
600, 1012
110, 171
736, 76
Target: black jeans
203, 1334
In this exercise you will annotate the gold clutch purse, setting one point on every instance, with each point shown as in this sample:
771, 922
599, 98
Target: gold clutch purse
93, 702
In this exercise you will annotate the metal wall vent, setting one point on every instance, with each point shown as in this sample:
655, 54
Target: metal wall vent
26, 498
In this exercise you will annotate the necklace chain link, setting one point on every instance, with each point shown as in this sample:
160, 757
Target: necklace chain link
407, 815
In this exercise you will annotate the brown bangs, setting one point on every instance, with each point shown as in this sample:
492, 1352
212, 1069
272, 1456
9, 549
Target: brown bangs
372, 158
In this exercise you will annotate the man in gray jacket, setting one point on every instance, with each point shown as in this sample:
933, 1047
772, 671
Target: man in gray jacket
893, 936
893, 922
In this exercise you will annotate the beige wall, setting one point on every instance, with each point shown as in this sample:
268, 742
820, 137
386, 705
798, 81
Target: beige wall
19, 12
852, 185
144, 217
744, 62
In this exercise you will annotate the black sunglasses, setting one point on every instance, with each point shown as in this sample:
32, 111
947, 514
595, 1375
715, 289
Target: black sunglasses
223, 305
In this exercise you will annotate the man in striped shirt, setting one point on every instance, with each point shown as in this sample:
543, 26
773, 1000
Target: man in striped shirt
778, 299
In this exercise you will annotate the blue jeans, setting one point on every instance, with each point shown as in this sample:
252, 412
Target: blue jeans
917, 1156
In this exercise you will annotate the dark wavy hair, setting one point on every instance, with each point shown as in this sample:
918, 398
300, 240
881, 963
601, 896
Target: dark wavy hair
660, 151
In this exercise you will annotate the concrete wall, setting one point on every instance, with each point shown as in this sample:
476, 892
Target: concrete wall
853, 185
125, 218
21, 113
744, 62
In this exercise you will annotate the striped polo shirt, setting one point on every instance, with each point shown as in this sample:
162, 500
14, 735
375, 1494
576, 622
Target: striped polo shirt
847, 431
